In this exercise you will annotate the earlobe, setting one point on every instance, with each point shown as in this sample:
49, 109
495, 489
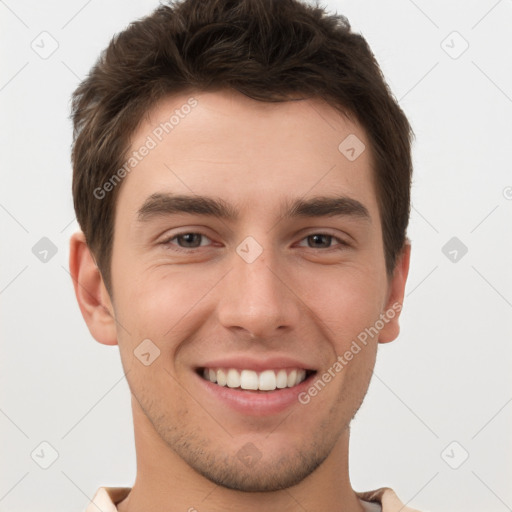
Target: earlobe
396, 292
91, 293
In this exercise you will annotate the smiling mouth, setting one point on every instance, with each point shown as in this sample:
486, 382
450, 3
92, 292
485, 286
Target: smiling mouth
250, 380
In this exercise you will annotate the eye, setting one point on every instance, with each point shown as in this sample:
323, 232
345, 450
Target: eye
193, 240
323, 241
187, 240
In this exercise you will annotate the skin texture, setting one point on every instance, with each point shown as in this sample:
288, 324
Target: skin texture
302, 298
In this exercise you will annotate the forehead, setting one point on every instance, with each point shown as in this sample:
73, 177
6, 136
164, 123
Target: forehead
225, 144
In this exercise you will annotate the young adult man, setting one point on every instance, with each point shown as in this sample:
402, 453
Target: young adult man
242, 182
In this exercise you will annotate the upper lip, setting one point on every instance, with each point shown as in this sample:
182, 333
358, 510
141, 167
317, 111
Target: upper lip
258, 365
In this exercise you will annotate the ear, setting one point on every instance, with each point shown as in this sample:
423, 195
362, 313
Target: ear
396, 292
91, 293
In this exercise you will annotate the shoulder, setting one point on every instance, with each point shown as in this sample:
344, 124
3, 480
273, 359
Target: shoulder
387, 499
106, 498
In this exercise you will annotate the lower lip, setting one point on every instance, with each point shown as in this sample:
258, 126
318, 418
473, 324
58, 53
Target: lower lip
254, 403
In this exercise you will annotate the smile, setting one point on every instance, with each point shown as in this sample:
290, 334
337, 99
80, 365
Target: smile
250, 380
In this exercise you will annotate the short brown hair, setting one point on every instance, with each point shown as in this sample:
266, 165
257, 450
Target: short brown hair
269, 50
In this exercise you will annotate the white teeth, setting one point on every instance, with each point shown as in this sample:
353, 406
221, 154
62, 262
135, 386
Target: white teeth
249, 379
268, 380
221, 378
233, 379
292, 378
281, 379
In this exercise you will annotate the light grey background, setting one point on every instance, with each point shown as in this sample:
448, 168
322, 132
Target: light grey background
446, 379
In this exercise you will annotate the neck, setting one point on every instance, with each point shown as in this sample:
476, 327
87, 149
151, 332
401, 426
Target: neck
165, 482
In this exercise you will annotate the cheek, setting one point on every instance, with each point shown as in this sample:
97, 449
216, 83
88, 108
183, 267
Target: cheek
152, 302
163, 306
346, 301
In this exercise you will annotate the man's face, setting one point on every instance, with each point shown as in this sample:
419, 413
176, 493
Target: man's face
260, 290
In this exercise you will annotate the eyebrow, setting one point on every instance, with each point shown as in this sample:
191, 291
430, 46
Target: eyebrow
164, 204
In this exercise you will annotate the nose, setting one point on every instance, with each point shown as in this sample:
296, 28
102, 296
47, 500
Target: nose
257, 299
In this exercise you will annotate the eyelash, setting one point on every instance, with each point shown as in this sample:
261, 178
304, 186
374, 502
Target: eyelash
167, 242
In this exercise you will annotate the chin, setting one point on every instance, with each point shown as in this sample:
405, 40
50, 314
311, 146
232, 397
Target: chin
261, 475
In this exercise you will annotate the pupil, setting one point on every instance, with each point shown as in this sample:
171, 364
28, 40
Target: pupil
189, 237
317, 237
